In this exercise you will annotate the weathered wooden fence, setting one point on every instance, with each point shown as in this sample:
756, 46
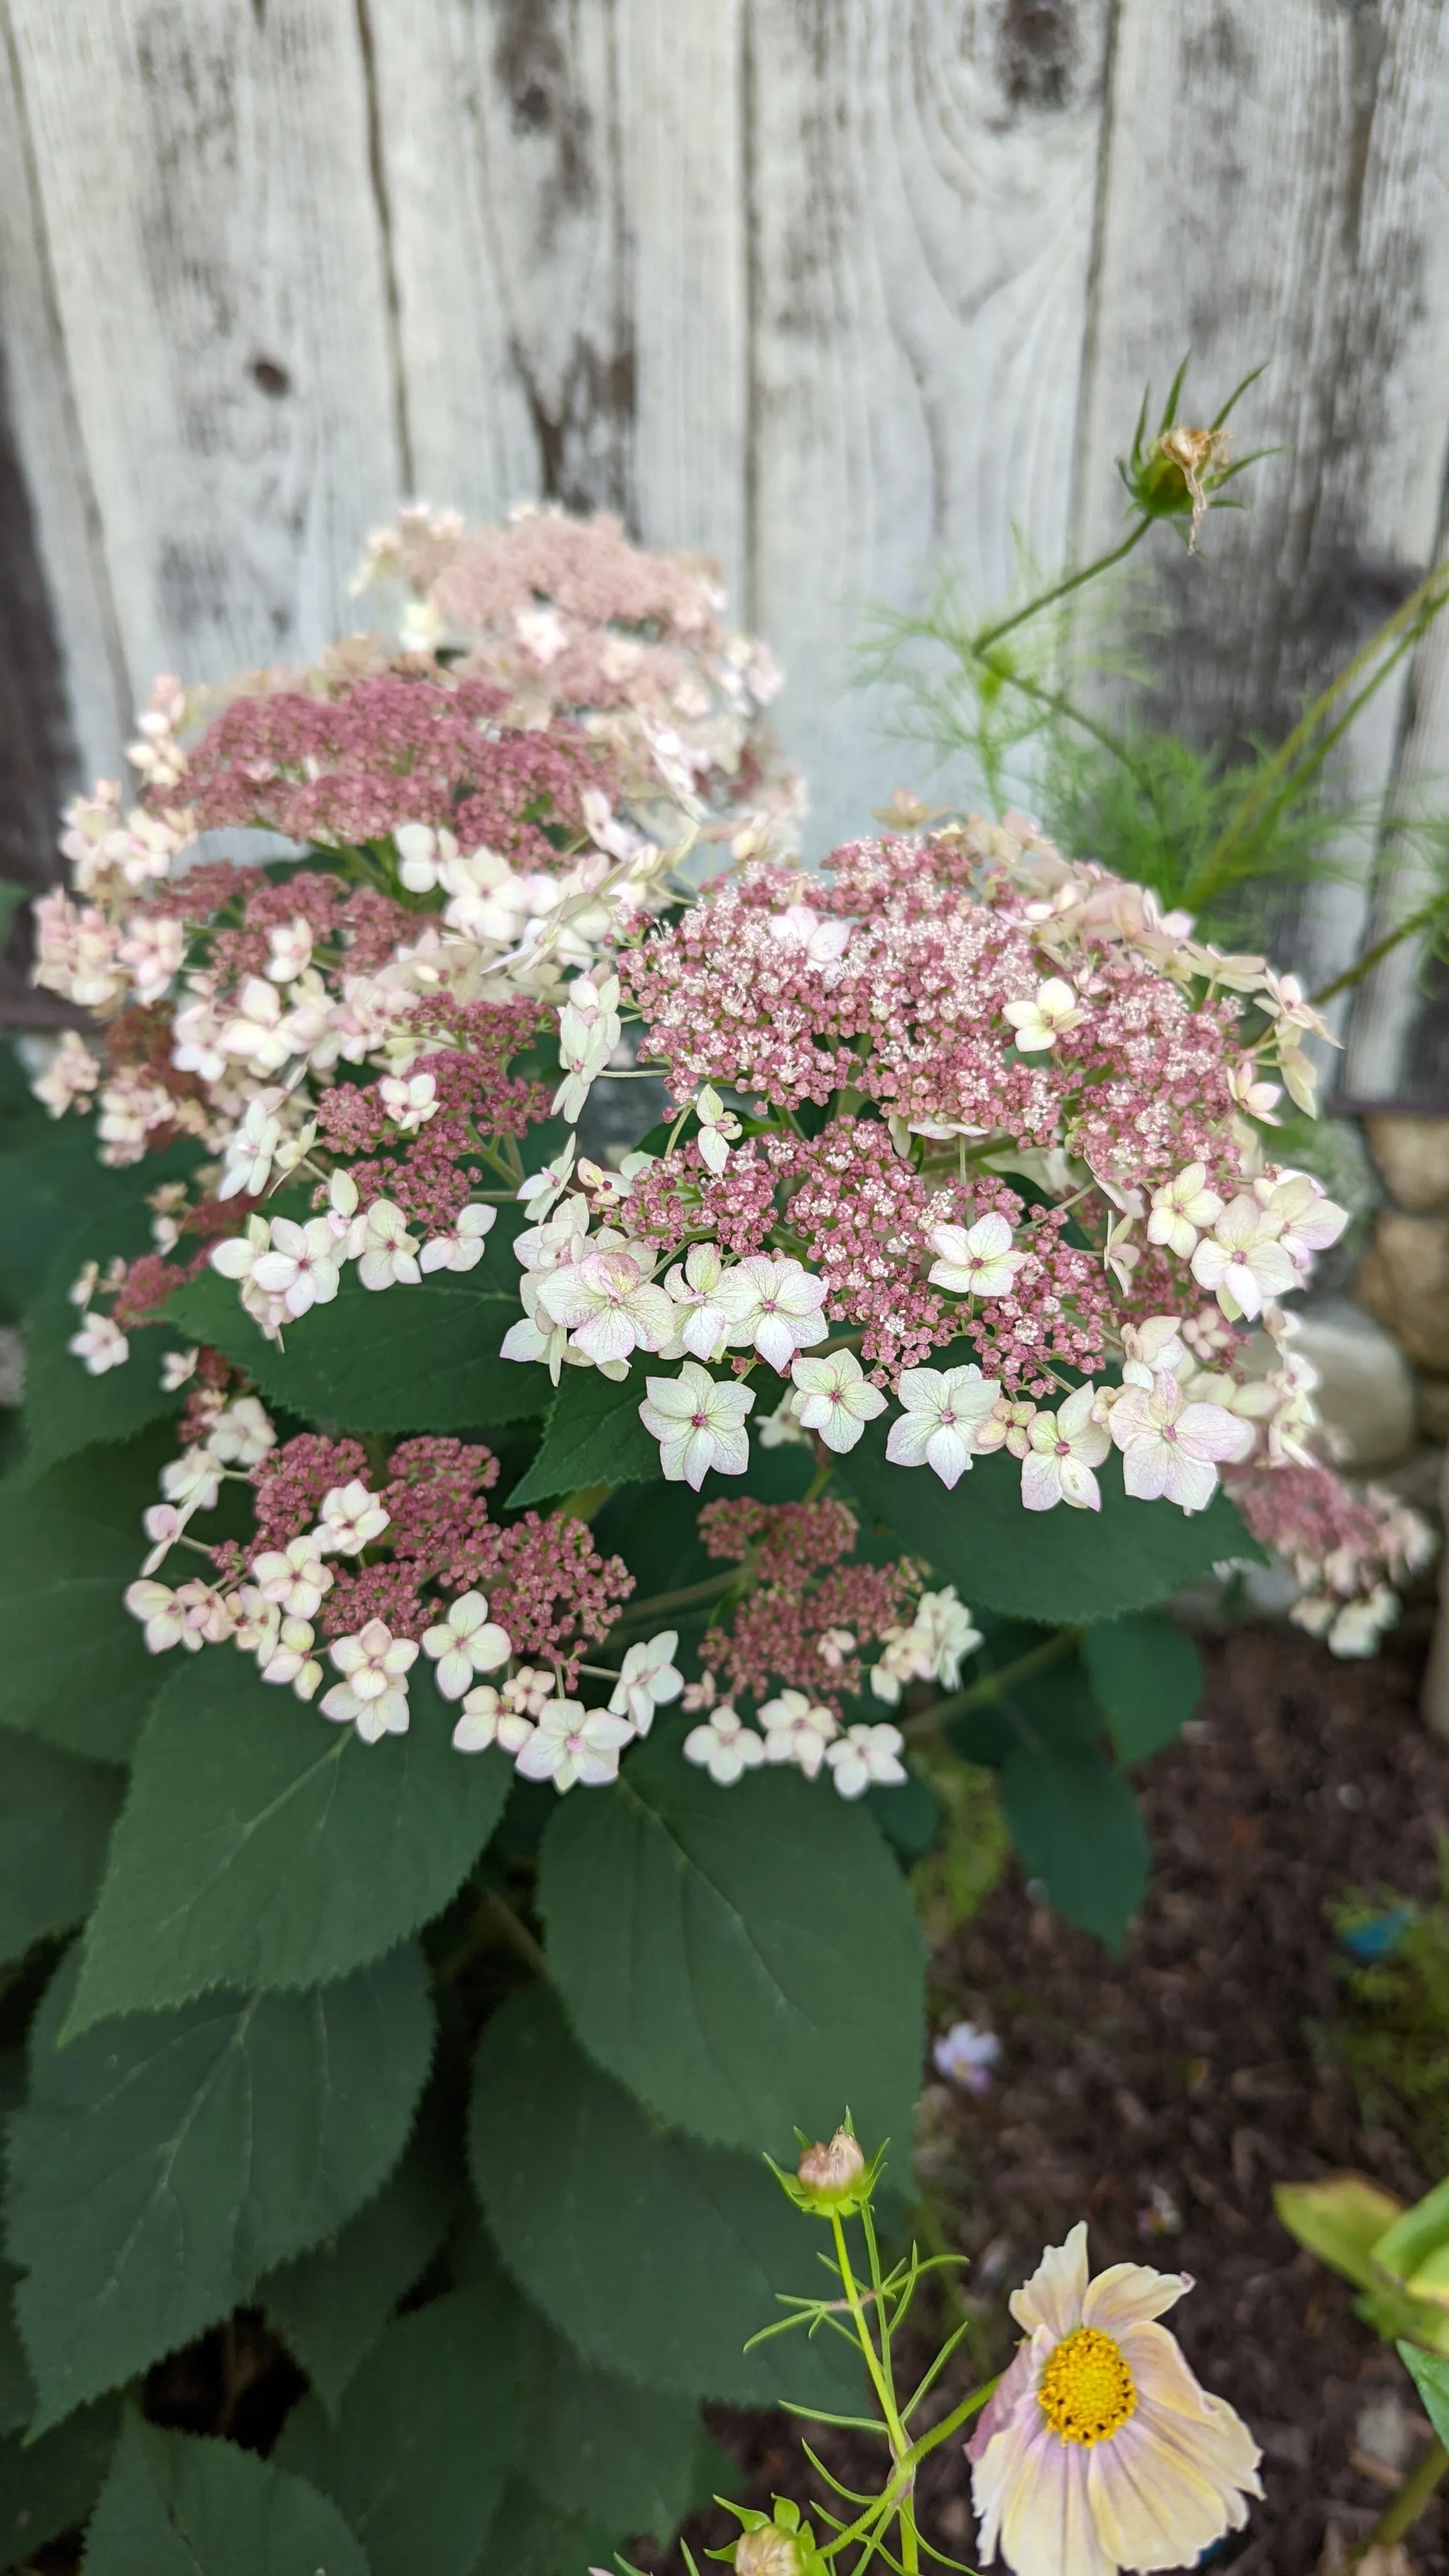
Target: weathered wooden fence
830, 288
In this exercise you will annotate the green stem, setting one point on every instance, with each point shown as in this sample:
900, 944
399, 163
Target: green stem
991, 1685
878, 2366
953, 2422
1382, 948
1409, 2503
690, 1596
983, 640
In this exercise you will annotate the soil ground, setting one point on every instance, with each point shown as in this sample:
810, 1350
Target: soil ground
1184, 2078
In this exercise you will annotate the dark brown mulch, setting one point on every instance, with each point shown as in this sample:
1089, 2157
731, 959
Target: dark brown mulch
1189, 2064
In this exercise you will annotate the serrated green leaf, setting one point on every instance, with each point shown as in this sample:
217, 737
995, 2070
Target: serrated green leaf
331, 2305
1429, 2372
17, 2397
655, 2256
745, 1960
1077, 1828
1056, 1567
65, 1409
598, 2445
594, 1437
423, 1358
1146, 1678
49, 1185
56, 1814
161, 2165
74, 1660
425, 2438
176, 2506
261, 1845
49, 2486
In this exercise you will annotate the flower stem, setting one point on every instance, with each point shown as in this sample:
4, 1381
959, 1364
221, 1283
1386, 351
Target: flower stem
991, 1685
1382, 948
1409, 2503
986, 636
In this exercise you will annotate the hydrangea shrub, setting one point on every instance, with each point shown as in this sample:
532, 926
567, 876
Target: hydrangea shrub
468, 1603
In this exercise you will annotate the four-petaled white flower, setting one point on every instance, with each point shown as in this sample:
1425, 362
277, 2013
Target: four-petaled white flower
291, 945
945, 1409
719, 1128
1242, 1261
242, 1433
541, 1191
258, 1032
588, 1032
290, 1658
373, 1693
608, 1305
237, 1255
349, 1520
647, 1680
571, 1742
699, 1423
724, 1747
101, 1344
488, 1719
865, 1757
1039, 1023
177, 1367
301, 1266
933, 1648
1180, 1210
465, 1644
835, 1397
192, 1481
251, 1148
701, 1321
462, 1247
1310, 1220
295, 1577
774, 1302
388, 1250
1170, 1448
813, 937
797, 1729
1065, 1447
193, 1617
410, 1100
975, 1260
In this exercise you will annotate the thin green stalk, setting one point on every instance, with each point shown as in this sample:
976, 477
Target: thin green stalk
1409, 2503
1382, 948
989, 635
991, 1685
878, 2365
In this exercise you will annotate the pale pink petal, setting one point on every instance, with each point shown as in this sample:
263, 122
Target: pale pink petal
1128, 2294
1145, 1467
1190, 1482
1053, 2296
1041, 1479
1079, 1485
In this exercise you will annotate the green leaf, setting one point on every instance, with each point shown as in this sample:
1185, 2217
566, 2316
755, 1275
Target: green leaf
594, 1437
400, 1359
65, 1409
1060, 1566
176, 2506
1340, 2219
49, 2486
1078, 1829
1429, 2372
75, 1663
426, 2435
49, 1185
597, 2445
56, 1814
330, 2306
1146, 1678
745, 1960
532, 2538
17, 2397
261, 1845
162, 2165
655, 2256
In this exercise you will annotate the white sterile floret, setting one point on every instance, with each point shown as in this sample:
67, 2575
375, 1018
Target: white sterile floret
462, 1247
372, 1695
177, 1367
975, 1260
294, 1577
1064, 1448
608, 1305
291, 945
540, 1191
933, 1648
237, 1255
242, 1433
256, 1033
699, 1423
647, 1680
101, 1344
1243, 1261
573, 1743
701, 1318
291, 1659
724, 1747
946, 1410
192, 1481
797, 1729
814, 938
388, 1250
1180, 1210
193, 1617
1039, 1023
467, 1642
866, 1757
1170, 1448
410, 1100
719, 1128
774, 1302
301, 1266
251, 1148
835, 1397
589, 1029
423, 854
349, 1520
488, 1719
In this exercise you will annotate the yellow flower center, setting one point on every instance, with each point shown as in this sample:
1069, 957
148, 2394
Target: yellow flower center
1086, 2391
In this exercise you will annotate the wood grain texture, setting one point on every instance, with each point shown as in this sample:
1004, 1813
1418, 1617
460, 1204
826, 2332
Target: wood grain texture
1274, 190
207, 197
924, 179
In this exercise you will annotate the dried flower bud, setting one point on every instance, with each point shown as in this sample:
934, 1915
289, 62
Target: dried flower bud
768, 2551
832, 2172
1179, 472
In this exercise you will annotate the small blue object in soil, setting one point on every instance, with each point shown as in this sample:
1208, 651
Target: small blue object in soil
1381, 1933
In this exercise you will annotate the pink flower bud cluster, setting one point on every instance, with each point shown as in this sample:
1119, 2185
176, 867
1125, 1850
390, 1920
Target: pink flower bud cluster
809, 1617
1346, 1549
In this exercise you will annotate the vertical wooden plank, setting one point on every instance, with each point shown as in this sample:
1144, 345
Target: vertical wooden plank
207, 195
568, 230
1275, 190
924, 180
1398, 1023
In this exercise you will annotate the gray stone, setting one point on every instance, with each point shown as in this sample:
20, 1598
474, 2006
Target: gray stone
1404, 1280
1367, 1390
1412, 1155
